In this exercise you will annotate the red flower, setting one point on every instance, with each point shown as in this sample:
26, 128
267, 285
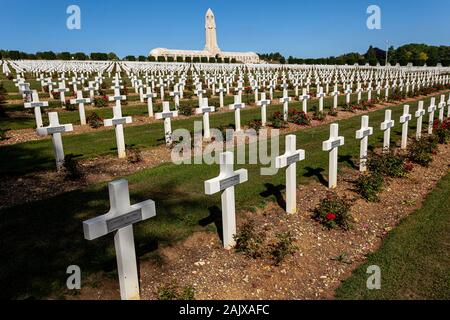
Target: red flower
331, 216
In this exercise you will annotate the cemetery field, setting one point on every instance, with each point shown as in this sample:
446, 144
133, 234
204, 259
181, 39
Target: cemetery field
104, 166
32, 156
415, 256
52, 227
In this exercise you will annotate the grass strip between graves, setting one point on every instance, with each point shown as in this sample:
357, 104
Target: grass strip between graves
41, 239
414, 258
32, 156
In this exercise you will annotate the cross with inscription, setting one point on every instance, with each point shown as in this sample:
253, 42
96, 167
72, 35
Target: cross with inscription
62, 91
167, 115
289, 160
363, 135
285, 101
404, 120
332, 146
226, 181
205, 109
237, 106
36, 105
55, 130
348, 93
120, 220
431, 111
263, 103
386, 127
176, 95
149, 95
220, 91
335, 95
81, 101
118, 121
419, 115
304, 98
441, 108
320, 95
91, 89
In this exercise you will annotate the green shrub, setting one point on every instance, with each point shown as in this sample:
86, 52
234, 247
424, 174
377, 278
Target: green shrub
369, 186
255, 125
283, 248
186, 110
277, 121
101, 102
442, 130
94, 120
421, 151
333, 212
299, 118
387, 164
173, 291
249, 242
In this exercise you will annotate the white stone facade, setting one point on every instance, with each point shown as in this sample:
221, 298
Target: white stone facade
211, 50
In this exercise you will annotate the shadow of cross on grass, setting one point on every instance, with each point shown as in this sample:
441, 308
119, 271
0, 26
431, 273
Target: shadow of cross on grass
215, 216
275, 191
316, 172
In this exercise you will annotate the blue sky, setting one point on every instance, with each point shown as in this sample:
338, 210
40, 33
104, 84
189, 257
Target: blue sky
293, 27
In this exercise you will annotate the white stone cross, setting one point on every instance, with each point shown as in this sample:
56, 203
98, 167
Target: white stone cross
118, 121
348, 93
91, 89
81, 101
263, 103
386, 127
271, 87
176, 94
200, 92
36, 105
74, 84
205, 109
221, 91
359, 91
289, 160
335, 95
332, 146
55, 130
167, 115
448, 107
419, 115
363, 135
431, 110
149, 95
226, 181
404, 120
321, 95
304, 98
49, 83
119, 220
285, 101
237, 106
441, 108
62, 90
140, 87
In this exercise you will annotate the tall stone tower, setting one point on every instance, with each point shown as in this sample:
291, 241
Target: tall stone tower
211, 34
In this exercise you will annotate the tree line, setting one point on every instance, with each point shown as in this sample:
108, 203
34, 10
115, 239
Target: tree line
417, 54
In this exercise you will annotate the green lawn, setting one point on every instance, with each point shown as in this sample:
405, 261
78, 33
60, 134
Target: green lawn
414, 258
44, 237
38, 155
